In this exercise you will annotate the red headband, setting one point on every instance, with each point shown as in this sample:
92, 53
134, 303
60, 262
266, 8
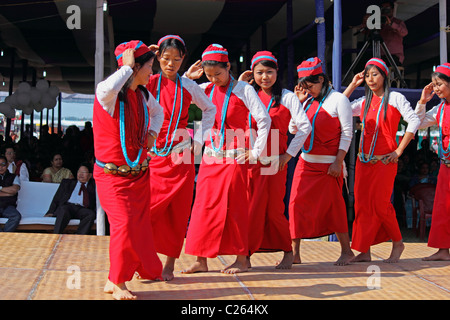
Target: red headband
215, 52
444, 69
263, 55
139, 47
379, 63
309, 67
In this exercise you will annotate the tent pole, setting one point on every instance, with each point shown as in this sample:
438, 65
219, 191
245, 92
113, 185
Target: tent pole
443, 32
11, 88
290, 46
99, 43
321, 40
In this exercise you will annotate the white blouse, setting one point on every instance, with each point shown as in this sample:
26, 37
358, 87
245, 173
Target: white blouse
249, 97
399, 102
337, 106
202, 101
108, 90
299, 119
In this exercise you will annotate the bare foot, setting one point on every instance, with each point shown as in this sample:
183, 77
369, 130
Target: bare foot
345, 259
286, 262
198, 266
362, 257
440, 255
296, 251
240, 265
249, 264
397, 250
169, 266
118, 291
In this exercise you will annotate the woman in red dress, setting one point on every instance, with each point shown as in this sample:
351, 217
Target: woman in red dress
268, 225
316, 206
126, 122
219, 219
380, 111
439, 236
172, 166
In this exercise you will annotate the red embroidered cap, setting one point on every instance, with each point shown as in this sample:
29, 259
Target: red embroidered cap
444, 69
215, 52
309, 67
139, 47
263, 55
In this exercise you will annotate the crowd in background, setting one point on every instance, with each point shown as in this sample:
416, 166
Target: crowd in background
74, 147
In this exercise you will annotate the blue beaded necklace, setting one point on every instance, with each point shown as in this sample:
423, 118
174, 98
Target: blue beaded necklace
362, 158
134, 163
444, 152
166, 149
313, 124
223, 114
250, 119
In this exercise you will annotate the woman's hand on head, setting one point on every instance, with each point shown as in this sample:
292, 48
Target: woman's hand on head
128, 58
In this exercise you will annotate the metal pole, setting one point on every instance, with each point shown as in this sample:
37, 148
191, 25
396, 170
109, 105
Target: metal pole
321, 40
11, 88
59, 112
290, 46
337, 45
99, 43
443, 32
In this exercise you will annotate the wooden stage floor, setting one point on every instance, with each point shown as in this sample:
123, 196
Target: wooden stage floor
38, 266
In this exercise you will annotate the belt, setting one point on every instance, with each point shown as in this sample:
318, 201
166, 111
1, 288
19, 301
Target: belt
233, 153
123, 170
375, 159
179, 148
445, 162
268, 160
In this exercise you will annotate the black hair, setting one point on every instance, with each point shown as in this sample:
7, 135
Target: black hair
141, 60
87, 165
276, 88
316, 79
4, 158
369, 93
172, 43
212, 63
440, 76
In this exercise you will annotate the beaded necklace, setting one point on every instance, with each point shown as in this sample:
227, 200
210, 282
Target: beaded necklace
134, 163
362, 158
166, 149
444, 152
311, 139
250, 119
223, 114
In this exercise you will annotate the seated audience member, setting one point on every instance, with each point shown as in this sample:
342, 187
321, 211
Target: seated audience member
17, 167
56, 173
75, 199
423, 175
9, 187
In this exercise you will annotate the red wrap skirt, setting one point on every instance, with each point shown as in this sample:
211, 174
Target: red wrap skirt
375, 217
219, 219
439, 236
172, 188
316, 206
268, 226
126, 201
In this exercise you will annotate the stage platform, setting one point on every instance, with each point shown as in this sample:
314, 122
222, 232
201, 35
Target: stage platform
38, 266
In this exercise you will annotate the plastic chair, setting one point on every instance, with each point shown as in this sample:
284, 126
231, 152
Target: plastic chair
422, 195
